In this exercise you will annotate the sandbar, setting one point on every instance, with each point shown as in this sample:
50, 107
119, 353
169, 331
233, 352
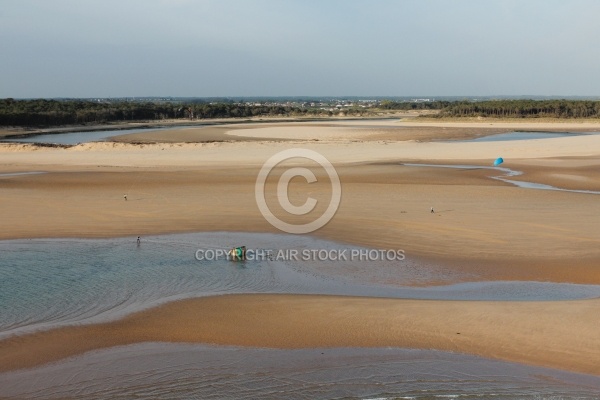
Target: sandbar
562, 335
483, 229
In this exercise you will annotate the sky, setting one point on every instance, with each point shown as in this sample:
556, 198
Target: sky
231, 48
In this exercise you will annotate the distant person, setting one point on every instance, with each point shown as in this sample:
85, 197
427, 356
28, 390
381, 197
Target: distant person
125, 197
138, 241
432, 210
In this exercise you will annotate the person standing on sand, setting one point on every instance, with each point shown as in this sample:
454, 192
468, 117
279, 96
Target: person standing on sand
432, 210
138, 241
125, 197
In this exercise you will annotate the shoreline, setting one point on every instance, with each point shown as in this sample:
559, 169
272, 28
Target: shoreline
485, 229
406, 120
436, 372
482, 230
523, 332
23, 131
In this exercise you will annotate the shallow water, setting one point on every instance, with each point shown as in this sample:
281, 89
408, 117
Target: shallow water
69, 138
168, 371
508, 173
49, 283
11, 174
503, 137
72, 138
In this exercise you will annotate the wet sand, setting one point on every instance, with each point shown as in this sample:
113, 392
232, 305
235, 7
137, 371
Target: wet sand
527, 332
483, 229
364, 130
160, 370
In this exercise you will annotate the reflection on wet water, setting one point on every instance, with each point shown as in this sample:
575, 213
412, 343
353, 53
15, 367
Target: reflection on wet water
11, 174
508, 173
46, 283
70, 138
49, 283
167, 371
504, 137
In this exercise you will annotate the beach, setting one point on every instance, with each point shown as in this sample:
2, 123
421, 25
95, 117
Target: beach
203, 179
522, 331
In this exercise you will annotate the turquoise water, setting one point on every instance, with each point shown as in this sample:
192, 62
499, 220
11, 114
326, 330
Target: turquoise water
49, 283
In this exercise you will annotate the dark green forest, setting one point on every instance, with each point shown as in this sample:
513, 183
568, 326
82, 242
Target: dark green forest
57, 112
43, 113
503, 108
413, 105
523, 109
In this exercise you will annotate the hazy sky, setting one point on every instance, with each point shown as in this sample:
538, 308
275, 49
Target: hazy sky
114, 48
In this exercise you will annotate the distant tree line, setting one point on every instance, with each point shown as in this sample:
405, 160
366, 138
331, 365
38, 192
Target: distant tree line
503, 108
42, 112
413, 105
53, 112
523, 109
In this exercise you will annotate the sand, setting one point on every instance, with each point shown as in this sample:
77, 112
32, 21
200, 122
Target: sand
525, 332
389, 129
483, 229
